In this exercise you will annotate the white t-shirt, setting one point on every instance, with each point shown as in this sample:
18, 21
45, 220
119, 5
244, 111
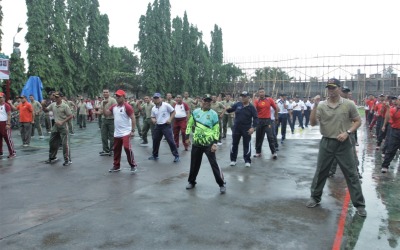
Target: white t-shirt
3, 112
180, 110
281, 106
298, 105
162, 113
122, 119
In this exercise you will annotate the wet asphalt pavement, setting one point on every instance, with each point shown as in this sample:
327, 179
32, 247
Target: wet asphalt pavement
82, 206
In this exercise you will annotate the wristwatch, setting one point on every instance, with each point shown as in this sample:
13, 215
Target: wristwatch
348, 131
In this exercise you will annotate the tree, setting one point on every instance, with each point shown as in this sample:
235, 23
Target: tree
1, 21
17, 73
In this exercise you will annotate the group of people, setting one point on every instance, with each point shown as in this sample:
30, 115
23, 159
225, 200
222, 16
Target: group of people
208, 119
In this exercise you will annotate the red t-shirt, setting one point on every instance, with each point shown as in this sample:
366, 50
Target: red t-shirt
395, 117
370, 104
263, 107
381, 109
25, 112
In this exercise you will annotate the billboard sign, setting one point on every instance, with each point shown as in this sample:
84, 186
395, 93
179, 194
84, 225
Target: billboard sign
4, 69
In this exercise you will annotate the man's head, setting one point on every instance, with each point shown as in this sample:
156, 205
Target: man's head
169, 96
185, 94
178, 99
214, 98
157, 98
57, 97
261, 93
32, 98
2, 97
282, 96
207, 99
120, 96
228, 97
245, 96
381, 97
106, 93
333, 85
345, 92
146, 99
23, 98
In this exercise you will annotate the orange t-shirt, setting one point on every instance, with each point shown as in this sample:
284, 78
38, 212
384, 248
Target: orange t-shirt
25, 112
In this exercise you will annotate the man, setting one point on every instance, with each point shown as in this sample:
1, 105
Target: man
246, 120
182, 112
5, 128
227, 119
220, 109
124, 124
137, 108
283, 116
37, 108
83, 111
26, 119
148, 124
345, 94
206, 134
169, 99
380, 111
97, 107
263, 106
189, 101
162, 115
392, 117
307, 109
338, 118
369, 103
107, 123
298, 111
72, 106
62, 114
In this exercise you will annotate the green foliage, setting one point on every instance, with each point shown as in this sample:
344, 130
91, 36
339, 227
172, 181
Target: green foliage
178, 60
17, 76
1, 21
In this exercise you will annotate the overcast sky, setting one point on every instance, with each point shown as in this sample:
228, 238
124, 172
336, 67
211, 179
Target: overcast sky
256, 29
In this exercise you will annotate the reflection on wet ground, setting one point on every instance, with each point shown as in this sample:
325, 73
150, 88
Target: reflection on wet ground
85, 207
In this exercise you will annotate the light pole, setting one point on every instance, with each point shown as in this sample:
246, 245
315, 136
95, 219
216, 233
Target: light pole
15, 50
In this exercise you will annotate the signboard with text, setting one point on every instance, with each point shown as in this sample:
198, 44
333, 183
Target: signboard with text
4, 69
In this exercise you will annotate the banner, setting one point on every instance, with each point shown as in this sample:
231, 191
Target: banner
4, 69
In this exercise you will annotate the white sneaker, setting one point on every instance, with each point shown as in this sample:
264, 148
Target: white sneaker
275, 156
233, 163
41, 137
248, 164
219, 143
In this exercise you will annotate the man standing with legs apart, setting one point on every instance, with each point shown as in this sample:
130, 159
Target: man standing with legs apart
62, 114
205, 138
182, 112
263, 106
124, 124
107, 123
283, 116
148, 124
338, 118
162, 115
5, 127
246, 121
26, 118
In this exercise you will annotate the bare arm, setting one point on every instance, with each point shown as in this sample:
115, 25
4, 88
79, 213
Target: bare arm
313, 115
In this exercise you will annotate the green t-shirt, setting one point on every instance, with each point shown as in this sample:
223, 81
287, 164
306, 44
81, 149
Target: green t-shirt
206, 131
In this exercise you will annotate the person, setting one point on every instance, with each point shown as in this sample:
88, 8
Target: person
37, 108
263, 106
162, 115
246, 121
72, 106
169, 99
345, 91
26, 119
148, 124
107, 124
205, 138
5, 128
182, 112
392, 117
124, 129
370, 102
83, 111
338, 118
189, 101
283, 116
220, 109
137, 107
89, 106
227, 120
307, 110
298, 112
62, 114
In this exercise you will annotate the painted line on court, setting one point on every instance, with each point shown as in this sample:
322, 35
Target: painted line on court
342, 222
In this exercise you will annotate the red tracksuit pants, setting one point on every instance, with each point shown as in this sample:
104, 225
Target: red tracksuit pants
126, 143
6, 135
